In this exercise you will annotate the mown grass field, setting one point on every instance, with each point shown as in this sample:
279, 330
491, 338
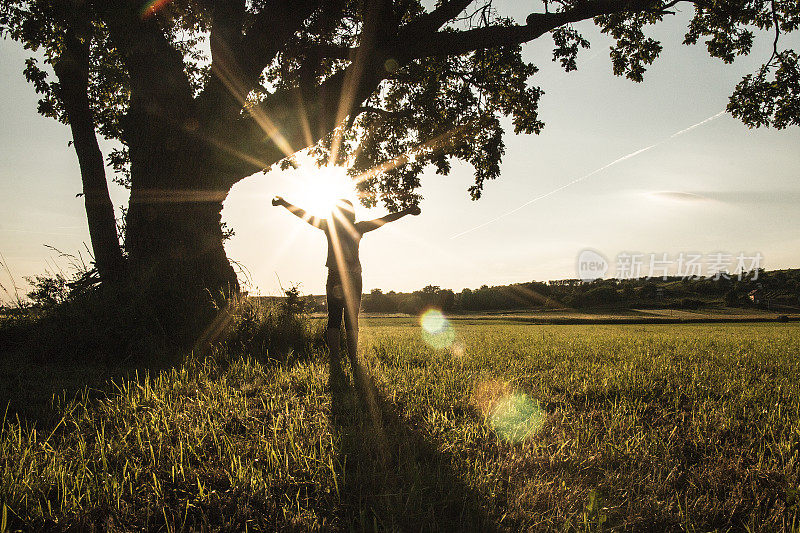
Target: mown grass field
496, 426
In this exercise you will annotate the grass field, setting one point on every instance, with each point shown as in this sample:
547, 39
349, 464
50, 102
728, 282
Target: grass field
484, 426
607, 316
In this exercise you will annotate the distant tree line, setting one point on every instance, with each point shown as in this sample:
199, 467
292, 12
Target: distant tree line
776, 289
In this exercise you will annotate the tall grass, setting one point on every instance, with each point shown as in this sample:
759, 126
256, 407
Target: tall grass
646, 428
88, 339
694, 427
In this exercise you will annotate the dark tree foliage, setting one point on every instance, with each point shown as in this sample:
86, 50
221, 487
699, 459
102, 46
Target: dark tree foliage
779, 289
203, 93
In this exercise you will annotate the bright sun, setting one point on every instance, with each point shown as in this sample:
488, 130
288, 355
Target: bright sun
318, 188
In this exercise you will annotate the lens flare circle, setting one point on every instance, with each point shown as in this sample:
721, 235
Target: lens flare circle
516, 416
512, 415
437, 332
151, 8
433, 321
457, 349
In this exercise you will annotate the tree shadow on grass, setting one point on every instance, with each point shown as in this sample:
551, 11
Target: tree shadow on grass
35, 391
76, 350
393, 477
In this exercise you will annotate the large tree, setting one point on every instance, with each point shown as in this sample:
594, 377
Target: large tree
389, 86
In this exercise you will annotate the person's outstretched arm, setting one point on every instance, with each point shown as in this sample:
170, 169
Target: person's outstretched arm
300, 213
370, 225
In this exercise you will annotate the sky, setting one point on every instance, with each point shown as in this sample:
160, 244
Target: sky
618, 169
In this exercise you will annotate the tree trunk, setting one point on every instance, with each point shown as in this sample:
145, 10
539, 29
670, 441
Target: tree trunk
72, 70
176, 256
99, 209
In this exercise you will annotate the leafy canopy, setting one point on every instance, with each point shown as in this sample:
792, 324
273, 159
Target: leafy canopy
387, 87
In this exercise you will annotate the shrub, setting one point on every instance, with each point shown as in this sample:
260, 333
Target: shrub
731, 298
276, 330
690, 303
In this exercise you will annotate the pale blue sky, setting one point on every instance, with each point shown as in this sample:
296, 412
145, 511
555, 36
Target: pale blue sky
745, 184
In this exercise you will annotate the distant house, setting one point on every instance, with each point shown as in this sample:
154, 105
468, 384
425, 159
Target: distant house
565, 282
755, 296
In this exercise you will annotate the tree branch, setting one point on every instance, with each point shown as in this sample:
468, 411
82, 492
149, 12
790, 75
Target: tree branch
777, 25
270, 31
226, 31
238, 58
537, 24
293, 119
218, 99
290, 120
159, 84
384, 112
431, 22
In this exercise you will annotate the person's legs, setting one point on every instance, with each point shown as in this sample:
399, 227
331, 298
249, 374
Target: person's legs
333, 331
351, 310
332, 336
365, 386
351, 327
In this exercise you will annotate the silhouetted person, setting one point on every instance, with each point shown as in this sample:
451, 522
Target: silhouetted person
343, 288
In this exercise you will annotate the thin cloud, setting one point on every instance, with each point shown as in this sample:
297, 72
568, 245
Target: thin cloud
678, 196
759, 197
741, 197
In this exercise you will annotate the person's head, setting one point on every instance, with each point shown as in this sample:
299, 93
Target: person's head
344, 209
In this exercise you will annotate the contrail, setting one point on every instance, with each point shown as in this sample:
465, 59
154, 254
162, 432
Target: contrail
590, 174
